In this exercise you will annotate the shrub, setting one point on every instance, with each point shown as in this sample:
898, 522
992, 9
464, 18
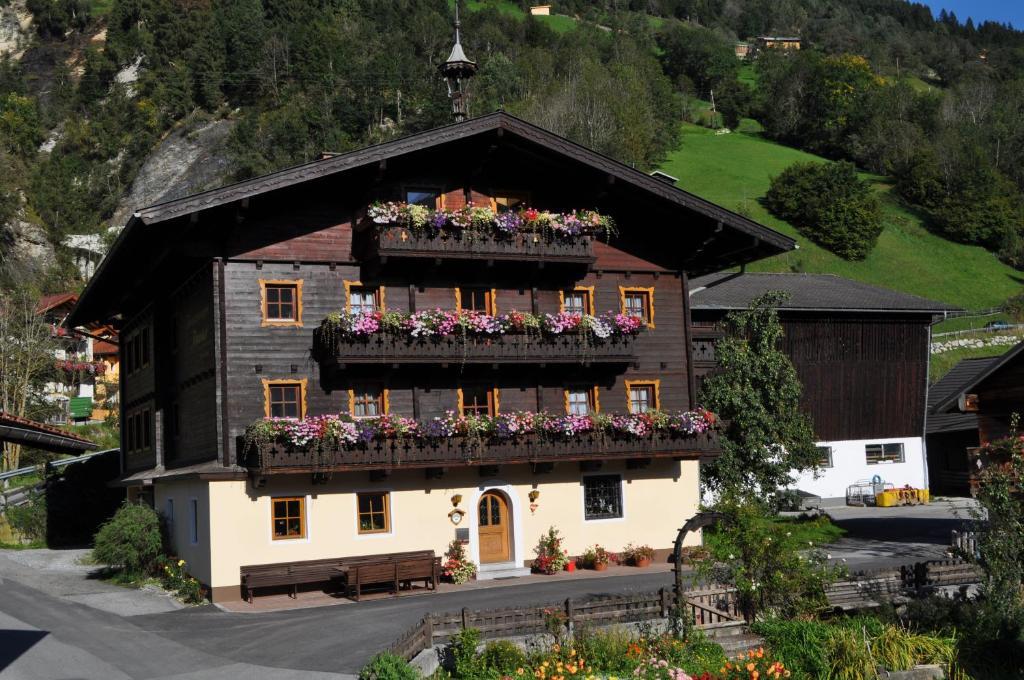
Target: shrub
828, 204
388, 666
467, 663
131, 540
503, 657
29, 519
175, 578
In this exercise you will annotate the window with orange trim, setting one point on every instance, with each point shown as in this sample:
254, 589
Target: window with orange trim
285, 399
642, 396
475, 400
288, 517
477, 300
367, 401
637, 303
581, 401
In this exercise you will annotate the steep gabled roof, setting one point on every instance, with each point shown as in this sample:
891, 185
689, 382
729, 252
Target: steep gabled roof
950, 400
738, 238
807, 292
442, 135
48, 302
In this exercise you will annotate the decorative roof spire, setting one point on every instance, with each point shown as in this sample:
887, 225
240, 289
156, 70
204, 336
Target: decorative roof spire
457, 71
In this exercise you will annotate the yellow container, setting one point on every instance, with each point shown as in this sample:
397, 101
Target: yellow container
887, 499
890, 498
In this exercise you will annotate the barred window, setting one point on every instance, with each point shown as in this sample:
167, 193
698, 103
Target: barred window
602, 497
884, 453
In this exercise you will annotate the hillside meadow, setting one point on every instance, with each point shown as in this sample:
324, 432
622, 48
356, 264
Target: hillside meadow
734, 170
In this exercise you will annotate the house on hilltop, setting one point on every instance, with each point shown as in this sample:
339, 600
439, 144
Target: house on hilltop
861, 353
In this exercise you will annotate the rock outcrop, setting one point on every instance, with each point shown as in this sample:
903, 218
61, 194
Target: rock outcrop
190, 159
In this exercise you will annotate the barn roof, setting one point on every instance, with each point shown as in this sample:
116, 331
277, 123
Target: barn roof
951, 398
807, 292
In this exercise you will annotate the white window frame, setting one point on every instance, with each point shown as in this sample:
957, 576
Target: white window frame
622, 497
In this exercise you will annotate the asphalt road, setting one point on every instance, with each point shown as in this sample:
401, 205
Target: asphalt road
47, 637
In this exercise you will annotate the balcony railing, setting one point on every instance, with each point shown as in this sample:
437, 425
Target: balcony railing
463, 451
390, 241
333, 349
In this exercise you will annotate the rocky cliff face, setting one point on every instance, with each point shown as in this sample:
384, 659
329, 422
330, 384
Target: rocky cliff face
189, 160
15, 28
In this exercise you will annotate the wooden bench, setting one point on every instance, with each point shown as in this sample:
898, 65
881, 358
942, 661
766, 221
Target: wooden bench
291, 574
393, 569
357, 571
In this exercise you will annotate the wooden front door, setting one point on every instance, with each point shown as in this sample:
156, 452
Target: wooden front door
494, 519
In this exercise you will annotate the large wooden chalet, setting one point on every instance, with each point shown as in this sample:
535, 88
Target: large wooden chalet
219, 299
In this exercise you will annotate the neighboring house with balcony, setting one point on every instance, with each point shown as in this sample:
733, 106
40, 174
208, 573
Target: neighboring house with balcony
861, 353
265, 299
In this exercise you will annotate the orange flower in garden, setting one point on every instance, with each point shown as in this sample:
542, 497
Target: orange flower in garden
751, 667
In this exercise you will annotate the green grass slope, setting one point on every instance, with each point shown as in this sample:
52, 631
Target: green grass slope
733, 170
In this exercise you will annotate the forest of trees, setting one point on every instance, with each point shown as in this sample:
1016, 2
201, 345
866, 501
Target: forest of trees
301, 77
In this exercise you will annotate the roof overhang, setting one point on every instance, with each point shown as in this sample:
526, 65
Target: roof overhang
954, 399
27, 432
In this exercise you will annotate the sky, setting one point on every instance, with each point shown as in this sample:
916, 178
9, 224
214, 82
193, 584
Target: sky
981, 10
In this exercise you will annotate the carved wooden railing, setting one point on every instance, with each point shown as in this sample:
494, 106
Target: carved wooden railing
418, 453
331, 348
392, 241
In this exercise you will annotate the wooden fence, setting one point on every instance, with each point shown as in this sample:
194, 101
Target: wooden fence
707, 606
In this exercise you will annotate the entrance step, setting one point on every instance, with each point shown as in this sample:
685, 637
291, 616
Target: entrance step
500, 570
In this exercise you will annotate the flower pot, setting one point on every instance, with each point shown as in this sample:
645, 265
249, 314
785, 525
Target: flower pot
642, 562
600, 566
570, 566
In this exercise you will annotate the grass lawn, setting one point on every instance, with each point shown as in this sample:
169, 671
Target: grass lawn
503, 6
32, 545
748, 76
817, 530
968, 323
734, 170
941, 364
559, 23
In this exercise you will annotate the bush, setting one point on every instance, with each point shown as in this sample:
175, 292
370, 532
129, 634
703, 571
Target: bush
466, 662
29, 519
828, 204
503, 657
388, 666
130, 541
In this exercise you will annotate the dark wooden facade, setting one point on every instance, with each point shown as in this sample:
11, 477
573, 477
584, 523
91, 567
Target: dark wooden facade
192, 286
864, 375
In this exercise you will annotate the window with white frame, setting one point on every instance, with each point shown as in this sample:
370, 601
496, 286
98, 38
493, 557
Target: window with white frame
884, 453
602, 497
824, 456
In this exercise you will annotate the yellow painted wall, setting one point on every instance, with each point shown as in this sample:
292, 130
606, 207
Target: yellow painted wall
197, 554
656, 501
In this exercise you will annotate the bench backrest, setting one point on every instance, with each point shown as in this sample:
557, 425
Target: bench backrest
368, 573
417, 568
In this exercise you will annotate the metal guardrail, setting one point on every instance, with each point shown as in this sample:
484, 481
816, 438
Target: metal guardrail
51, 464
1008, 328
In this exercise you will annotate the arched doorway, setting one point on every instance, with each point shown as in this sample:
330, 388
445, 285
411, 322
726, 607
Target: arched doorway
493, 527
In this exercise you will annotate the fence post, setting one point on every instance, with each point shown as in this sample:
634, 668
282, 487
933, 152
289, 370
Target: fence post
663, 600
428, 631
465, 618
920, 575
569, 623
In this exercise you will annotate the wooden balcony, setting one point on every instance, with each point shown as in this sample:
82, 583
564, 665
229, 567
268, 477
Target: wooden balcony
390, 241
412, 454
330, 350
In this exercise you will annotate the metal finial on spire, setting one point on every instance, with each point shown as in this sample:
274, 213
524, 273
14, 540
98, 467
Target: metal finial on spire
456, 71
